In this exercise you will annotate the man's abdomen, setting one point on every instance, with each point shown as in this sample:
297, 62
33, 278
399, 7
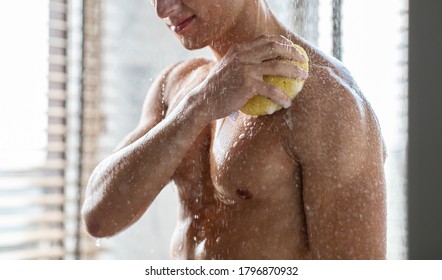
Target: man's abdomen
232, 231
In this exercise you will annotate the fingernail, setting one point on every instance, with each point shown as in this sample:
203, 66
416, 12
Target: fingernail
287, 104
305, 74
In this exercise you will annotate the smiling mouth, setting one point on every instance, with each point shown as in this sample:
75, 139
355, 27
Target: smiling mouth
182, 25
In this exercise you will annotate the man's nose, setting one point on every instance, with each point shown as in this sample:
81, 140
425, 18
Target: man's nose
165, 7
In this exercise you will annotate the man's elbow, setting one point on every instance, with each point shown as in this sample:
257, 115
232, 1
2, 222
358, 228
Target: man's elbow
94, 225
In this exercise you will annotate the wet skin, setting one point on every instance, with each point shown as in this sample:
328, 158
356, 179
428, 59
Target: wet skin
306, 182
241, 183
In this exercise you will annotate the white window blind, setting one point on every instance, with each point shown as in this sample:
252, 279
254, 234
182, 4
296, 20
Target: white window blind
33, 143
49, 122
90, 112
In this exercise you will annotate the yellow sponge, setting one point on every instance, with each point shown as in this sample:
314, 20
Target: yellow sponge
261, 105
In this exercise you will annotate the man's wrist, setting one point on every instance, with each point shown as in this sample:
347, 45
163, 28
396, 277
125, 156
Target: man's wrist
199, 109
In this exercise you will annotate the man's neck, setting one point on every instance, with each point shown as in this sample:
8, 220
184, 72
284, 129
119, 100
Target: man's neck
248, 27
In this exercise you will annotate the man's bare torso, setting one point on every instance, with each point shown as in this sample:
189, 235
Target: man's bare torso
304, 182
240, 184
240, 194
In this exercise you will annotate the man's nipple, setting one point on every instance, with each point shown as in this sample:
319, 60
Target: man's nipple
244, 193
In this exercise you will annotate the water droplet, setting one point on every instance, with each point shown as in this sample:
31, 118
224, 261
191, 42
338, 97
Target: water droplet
233, 116
242, 136
230, 201
288, 120
226, 155
97, 242
199, 249
235, 144
196, 217
218, 239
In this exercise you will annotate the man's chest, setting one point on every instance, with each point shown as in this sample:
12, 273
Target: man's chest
247, 158
240, 158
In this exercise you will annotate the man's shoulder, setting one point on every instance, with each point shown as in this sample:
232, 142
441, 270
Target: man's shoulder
332, 109
332, 97
176, 75
183, 68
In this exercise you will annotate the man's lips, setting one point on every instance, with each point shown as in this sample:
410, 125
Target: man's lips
182, 25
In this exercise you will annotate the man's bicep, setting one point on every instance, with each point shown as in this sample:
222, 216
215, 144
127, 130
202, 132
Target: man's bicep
344, 196
155, 105
345, 219
153, 110
339, 146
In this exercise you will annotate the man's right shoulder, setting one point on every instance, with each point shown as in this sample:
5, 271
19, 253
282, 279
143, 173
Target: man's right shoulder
176, 74
180, 70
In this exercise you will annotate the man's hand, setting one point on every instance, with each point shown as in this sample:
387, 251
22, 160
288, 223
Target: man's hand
238, 76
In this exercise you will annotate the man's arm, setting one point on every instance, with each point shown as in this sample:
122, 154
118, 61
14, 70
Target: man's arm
341, 156
124, 185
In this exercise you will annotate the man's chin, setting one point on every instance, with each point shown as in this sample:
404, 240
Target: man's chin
193, 44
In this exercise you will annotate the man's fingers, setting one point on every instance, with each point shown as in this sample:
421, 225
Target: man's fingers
275, 50
262, 40
271, 38
272, 50
281, 68
277, 95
